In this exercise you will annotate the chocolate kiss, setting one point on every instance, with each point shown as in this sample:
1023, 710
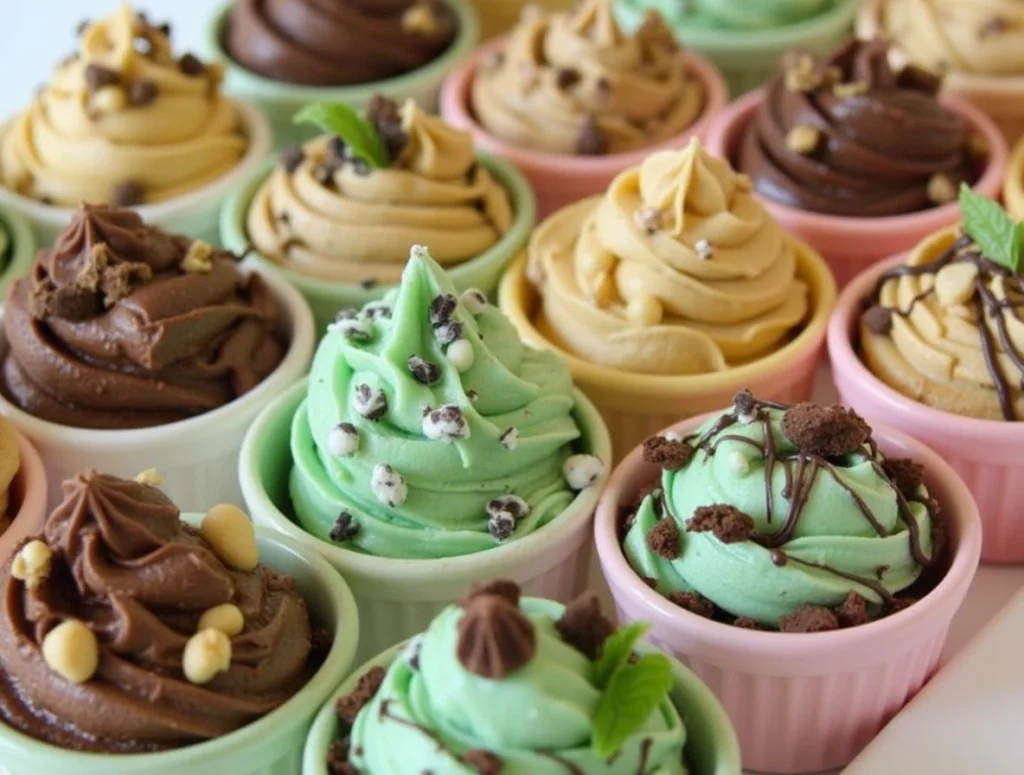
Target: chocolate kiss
495, 637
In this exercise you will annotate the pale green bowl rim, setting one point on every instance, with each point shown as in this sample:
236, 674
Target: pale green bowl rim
21, 250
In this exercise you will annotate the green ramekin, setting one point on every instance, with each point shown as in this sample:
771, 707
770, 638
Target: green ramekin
711, 744
270, 746
280, 100
21, 251
749, 58
326, 298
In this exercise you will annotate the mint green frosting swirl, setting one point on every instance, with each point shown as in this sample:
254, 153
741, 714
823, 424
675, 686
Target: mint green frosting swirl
449, 483
728, 14
539, 720
741, 578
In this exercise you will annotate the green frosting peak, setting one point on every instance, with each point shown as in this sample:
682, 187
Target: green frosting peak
429, 429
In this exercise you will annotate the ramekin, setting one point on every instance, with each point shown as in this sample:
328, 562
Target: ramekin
1013, 186
1001, 98
851, 245
812, 701
195, 213
749, 58
270, 746
280, 100
21, 251
560, 179
197, 458
398, 598
711, 745
985, 453
27, 505
326, 298
636, 405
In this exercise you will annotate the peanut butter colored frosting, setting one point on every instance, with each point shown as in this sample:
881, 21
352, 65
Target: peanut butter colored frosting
339, 220
984, 37
575, 83
10, 462
124, 121
677, 269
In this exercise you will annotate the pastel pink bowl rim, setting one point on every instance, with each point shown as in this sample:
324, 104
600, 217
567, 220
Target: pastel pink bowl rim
726, 128
913, 414
454, 108
792, 655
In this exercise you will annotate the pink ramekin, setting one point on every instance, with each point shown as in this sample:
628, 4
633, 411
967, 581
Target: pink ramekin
28, 500
810, 702
851, 245
560, 179
985, 453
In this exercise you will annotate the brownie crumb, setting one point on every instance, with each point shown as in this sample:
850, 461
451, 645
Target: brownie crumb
826, 431
746, 623
348, 707
729, 524
484, 762
503, 588
940, 536
809, 618
650, 581
853, 611
670, 454
663, 539
906, 474
583, 626
694, 603
337, 759
900, 604
877, 319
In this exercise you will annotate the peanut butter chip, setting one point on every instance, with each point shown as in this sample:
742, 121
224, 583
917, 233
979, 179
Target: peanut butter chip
230, 534
852, 89
941, 190
71, 650
227, 618
801, 76
150, 477
206, 654
32, 564
803, 139
645, 310
419, 19
198, 259
954, 283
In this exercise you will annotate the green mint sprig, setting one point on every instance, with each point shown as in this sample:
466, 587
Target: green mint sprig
616, 651
997, 235
359, 134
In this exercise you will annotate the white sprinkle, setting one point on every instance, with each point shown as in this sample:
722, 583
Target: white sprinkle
509, 439
343, 440
446, 423
581, 471
460, 355
474, 300
388, 485
704, 250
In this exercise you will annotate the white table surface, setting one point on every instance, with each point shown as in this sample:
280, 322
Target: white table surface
35, 34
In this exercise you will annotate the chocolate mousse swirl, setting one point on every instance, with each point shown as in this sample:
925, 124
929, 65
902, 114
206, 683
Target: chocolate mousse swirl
139, 579
123, 325
337, 42
849, 136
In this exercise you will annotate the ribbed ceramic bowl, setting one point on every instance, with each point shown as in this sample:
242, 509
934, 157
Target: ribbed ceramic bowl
279, 100
21, 249
399, 598
326, 298
711, 745
802, 702
270, 746
27, 505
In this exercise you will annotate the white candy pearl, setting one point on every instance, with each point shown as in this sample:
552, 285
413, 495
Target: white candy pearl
460, 355
343, 440
474, 300
581, 471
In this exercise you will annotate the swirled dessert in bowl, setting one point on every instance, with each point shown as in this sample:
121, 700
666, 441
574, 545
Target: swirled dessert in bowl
670, 292
976, 45
836, 551
283, 54
339, 214
429, 449
571, 99
443, 700
140, 641
859, 157
126, 120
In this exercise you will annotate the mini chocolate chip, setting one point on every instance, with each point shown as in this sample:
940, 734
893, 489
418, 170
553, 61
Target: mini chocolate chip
495, 638
917, 78
345, 528
191, 65
128, 194
441, 309
906, 474
746, 623
291, 157
694, 603
484, 762
348, 707
670, 454
591, 141
424, 371
729, 524
809, 618
567, 77
142, 93
583, 626
82, 26
98, 76
853, 611
877, 319
501, 587
368, 282
826, 431
663, 539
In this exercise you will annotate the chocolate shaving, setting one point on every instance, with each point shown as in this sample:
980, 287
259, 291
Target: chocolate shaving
663, 539
809, 618
503, 588
729, 524
495, 637
484, 762
583, 626
694, 603
877, 319
348, 707
853, 612
670, 454
826, 431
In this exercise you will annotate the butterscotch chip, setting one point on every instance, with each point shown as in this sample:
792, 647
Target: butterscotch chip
803, 139
504, 588
853, 611
670, 454
826, 431
906, 474
877, 319
941, 189
809, 618
746, 623
729, 524
583, 626
663, 539
694, 603
348, 707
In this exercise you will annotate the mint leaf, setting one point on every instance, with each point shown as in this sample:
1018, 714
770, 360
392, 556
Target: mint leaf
633, 694
359, 134
999, 237
616, 651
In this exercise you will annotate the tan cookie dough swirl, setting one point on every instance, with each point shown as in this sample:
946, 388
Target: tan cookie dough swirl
576, 83
119, 125
362, 222
677, 269
984, 37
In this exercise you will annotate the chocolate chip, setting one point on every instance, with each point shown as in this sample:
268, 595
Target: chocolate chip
877, 319
484, 762
809, 618
495, 638
191, 65
423, 371
746, 623
324, 172
694, 603
853, 611
127, 194
591, 141
663, 539
583, 626
567, 77
348, 707
729, 524
670, 454
142, 93
367, 283
292, 157
906, 474
500, 587
917, 78
900, 604
98, 76
385, 114
441, 309
345, 528
337, 759
745, 405
826, 431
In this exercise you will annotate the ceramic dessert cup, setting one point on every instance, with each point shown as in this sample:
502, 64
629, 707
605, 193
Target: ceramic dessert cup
559, 179
197, 457
195, 213
749, 58
1013, 187
21, 250
711, 746
850, 245
279, 101
637, 405
270, 746
326, 298
984, 453
398, 598
27, 509
802, 702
